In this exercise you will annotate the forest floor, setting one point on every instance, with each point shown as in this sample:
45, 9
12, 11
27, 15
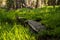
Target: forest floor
10, 30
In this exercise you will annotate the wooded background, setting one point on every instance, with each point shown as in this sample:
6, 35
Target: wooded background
15, 4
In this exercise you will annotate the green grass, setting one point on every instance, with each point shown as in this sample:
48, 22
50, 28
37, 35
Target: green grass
15, 32
9, 30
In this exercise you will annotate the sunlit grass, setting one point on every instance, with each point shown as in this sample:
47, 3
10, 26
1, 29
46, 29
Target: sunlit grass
16, 32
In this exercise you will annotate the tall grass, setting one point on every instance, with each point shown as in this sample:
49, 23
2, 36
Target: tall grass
9, 30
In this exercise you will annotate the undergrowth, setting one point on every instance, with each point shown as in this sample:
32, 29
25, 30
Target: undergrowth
9, 30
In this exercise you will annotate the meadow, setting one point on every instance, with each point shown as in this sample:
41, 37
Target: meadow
10, 30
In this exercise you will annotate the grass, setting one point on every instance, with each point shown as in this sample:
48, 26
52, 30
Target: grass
15, 32
9, 30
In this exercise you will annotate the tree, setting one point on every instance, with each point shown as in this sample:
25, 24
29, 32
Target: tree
52, 3
15, 4
29, 3
37, 4
2, 3
58, 2
40, 3
10, 4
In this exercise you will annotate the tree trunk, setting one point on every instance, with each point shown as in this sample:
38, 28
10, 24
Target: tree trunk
36, 4
40, 3
58, 2
2, 3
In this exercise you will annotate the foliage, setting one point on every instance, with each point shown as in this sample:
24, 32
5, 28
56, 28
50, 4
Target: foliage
9, 30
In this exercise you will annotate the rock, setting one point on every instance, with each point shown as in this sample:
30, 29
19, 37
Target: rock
36, 26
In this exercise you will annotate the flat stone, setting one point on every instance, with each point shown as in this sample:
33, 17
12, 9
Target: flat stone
36, 26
